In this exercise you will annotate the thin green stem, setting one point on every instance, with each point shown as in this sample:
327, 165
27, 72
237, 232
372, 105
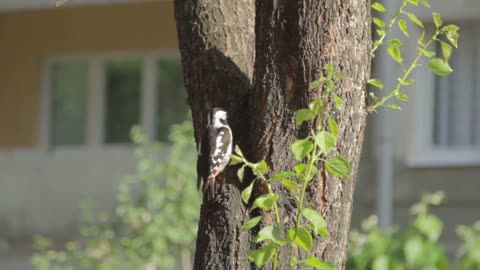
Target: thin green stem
389, 28
395, 90
302, 194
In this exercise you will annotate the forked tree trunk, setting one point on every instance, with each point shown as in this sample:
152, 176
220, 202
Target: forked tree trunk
295, 40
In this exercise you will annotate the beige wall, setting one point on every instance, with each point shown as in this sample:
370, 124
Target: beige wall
27, 37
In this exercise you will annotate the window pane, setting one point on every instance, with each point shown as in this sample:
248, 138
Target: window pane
171, 102
122, 98
69, 100
456, 105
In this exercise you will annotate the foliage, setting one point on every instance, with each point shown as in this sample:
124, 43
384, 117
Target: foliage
414, 247
311, 153
154, 222
444, 35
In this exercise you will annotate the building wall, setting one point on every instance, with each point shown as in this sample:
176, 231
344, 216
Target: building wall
27, 37
41, 188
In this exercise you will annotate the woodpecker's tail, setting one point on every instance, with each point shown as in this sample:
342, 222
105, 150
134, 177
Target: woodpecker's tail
209, 187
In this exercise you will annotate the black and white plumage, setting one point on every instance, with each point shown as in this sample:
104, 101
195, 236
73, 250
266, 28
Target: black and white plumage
214, 151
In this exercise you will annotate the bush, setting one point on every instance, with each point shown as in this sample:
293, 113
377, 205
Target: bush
154, 222
414, 247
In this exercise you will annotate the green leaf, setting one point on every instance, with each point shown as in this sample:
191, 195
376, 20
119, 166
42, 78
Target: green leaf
429, 225
452, 34
401, 96
300, 168
326, 141
380, 32
265, 201
446, 51
302, 171
270, 234
247, 192
437, 19
329, 69
378, 7
261, 256
395, 42
303, 115
340, 76
338, 166
331, 85
395, 53
301, 148
315, 105
378, 22
428, 54
261, 168
238, 151
414, 19
251, 223
440, 67
403, 26
420, 39
240, 173
283, 175
338, 100
380, 263
403, 82
413, 250
290, 185
425, 3
394, 106
318, 222
317, 264
313, 85
413, 2
333, 126
234, 159
302, 238
376, 82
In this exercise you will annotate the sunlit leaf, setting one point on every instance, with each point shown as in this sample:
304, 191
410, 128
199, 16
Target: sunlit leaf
401, 96
302, 238
403, 26
234, 159
437, 19
261, 167
378, 7
313, 85
303, 115
333, 126
326, 141
414, 19
318, 222
446, 51
440, 67
338, 166
395, 53
301, 148
376, 82
261, 256
269, 233
240, 173
338, 100
265, 201
290, 185
394, 106
247, 192
282, 175
378, 22
312, 261
251, 223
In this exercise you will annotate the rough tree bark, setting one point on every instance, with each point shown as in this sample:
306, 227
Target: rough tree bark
295, 40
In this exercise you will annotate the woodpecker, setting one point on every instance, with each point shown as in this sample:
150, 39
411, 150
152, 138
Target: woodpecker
214, 150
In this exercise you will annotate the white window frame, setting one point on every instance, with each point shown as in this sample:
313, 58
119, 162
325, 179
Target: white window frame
422, 153
95, 129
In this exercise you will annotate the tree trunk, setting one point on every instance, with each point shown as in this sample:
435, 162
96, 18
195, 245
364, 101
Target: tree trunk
295, 40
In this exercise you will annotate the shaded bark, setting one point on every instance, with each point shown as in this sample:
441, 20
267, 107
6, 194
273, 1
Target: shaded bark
295, 40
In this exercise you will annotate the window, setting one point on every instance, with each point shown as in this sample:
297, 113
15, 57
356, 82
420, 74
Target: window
96, 99
449, 127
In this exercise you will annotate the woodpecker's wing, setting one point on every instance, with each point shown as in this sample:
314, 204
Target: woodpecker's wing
203, 168
220, 141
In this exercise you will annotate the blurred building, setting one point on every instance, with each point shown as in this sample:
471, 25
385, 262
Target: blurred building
75, 79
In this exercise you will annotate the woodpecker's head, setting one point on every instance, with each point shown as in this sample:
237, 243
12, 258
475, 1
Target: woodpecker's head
219, 116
